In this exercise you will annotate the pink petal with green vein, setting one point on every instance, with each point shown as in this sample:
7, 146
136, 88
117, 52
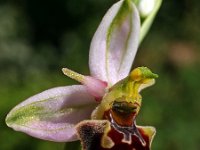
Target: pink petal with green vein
53, 114
95, 86
115, 43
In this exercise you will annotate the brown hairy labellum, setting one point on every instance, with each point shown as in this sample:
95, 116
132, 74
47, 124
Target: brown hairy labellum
118, 131
100, 135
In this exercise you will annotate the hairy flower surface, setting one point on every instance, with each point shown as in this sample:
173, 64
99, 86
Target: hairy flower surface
109, 96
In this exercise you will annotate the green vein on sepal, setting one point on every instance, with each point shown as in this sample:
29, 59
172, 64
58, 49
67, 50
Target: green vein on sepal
123, 12
24, 114
36, 111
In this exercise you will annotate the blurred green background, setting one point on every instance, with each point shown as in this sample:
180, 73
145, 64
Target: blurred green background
38, 38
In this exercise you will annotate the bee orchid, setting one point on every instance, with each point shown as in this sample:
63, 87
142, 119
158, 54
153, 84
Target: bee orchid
101, 111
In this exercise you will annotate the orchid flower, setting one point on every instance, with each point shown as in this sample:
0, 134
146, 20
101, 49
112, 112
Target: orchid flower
63, 114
